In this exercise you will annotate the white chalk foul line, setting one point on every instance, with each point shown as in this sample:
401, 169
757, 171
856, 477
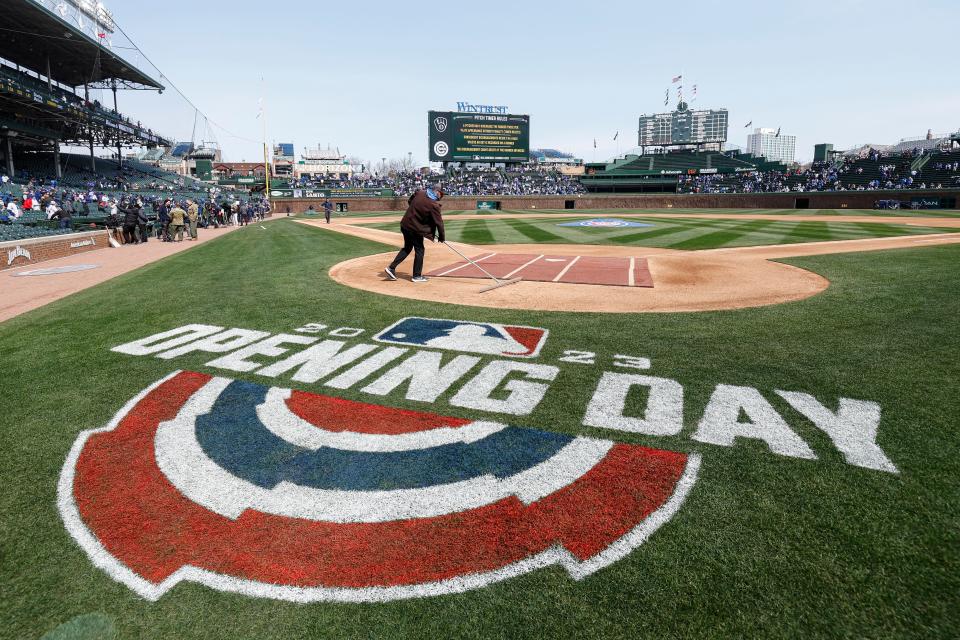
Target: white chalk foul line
518, 269
567, 268
465, 264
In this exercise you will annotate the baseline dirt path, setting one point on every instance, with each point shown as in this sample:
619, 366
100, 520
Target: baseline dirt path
21, 294
708, 280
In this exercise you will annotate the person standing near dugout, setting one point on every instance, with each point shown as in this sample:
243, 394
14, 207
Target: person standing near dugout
422, 220
327, 209
193, 214
177, 215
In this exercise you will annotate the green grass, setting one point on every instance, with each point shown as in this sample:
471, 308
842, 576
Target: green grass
678, 233
765, 546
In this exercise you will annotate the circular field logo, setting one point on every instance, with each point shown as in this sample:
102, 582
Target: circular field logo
335, 500
606, 223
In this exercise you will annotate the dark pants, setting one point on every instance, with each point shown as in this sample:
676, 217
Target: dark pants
129, 233
411, 242
64, 223
143, 232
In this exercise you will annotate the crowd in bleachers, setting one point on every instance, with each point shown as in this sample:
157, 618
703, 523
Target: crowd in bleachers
460, 182
871, 172
34, 206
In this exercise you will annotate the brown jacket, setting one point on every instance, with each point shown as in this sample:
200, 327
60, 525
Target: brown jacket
423, 217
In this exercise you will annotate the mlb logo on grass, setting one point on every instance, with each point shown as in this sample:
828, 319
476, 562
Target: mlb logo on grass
469, 337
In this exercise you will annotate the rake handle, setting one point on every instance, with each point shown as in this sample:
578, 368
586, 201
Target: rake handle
489, 275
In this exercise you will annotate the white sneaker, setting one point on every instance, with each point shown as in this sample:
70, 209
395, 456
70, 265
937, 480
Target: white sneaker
390, 273
419, 279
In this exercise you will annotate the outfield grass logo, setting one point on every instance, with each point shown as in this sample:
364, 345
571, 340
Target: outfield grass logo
605, 223
284, 494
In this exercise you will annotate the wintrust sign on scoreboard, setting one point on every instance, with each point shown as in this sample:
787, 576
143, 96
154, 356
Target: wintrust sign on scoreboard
477, 137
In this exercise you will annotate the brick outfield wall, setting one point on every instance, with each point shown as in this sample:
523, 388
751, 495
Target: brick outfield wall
818, 200
21, 253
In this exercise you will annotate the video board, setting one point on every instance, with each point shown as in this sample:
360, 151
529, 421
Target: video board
475, 137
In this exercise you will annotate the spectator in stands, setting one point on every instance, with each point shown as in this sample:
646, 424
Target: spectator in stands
66, 214
13, 210
79, 206
53, 211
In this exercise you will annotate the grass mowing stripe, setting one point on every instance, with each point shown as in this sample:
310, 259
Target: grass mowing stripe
808, 232
681, 226
476, 232
534, 233
720, 238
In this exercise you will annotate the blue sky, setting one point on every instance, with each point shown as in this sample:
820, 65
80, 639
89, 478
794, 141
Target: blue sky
362, 75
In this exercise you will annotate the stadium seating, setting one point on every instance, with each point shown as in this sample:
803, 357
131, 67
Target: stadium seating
934, 172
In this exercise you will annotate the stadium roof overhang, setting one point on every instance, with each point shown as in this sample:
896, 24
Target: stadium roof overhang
31, 34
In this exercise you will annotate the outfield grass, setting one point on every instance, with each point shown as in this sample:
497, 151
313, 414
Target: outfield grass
679, 233
765, 546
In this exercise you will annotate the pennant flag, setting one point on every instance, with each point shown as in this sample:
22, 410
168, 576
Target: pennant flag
666, 98
748, 124
616, 135
694, 92
677, 79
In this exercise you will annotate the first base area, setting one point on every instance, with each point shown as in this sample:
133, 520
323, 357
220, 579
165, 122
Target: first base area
619, 272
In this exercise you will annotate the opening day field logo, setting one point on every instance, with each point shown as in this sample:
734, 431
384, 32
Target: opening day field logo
607, 223
277, 492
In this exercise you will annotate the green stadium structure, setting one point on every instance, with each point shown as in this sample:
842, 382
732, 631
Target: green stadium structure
48, 64
659, 172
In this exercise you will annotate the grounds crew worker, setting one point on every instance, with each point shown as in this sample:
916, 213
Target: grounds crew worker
422, 220
176, 223
327, 208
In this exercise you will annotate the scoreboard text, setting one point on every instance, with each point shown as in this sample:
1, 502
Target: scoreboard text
474, 137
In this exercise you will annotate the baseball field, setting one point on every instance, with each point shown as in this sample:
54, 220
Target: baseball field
725, 426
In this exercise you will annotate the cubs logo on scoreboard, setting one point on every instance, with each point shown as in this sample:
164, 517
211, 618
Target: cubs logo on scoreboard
284, 494
470, 337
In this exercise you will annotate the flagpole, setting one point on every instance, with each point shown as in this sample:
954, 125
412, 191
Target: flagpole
266, 157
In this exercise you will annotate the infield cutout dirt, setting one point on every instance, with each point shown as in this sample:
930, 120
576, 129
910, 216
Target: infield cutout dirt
708, 280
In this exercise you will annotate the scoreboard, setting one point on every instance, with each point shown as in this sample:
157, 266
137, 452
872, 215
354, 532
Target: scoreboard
476, 137
683, 127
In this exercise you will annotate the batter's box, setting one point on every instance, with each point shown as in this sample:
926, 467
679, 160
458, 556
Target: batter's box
618, 272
